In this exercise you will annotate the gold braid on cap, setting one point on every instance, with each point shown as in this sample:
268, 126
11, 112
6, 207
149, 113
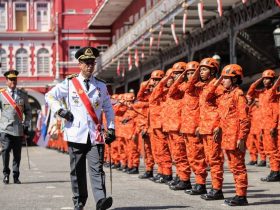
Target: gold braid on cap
87, 54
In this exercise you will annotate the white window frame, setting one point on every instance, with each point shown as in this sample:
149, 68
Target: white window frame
49, 62
48, 12
27, 62
2, 58
76, 47
14, 14
6, 8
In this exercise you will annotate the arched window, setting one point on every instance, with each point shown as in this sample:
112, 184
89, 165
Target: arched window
3, 61
22, 61
43, 64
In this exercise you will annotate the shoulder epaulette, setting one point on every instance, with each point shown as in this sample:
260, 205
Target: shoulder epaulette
101, 80
2, 89
71, 76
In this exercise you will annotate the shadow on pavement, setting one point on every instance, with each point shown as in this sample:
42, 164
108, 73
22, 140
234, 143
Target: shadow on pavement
42, 182
150, 207
264, 202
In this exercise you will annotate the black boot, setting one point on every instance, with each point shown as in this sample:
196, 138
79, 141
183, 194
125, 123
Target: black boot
156, 177
237, 201
174, 181
104, 203
213, 195
181, 185
16, 180
6, 180
274, 176
164, 179
125, 169
198, 189
106, 164
115, 166
262, 163
146, 175
252, 163
121, 168
133, 171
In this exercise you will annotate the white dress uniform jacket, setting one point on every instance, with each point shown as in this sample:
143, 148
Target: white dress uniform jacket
78, 130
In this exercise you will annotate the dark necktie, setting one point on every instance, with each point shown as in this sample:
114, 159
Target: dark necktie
86, 81
13, 94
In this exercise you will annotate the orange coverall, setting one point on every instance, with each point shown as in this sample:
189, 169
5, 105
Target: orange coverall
269, 115
209, 120
159, 141
189, 123
254, 143
235, 126
171, 123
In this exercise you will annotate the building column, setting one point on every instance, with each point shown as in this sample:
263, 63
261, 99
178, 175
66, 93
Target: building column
31, 16
32, 56
11, 62
10, 15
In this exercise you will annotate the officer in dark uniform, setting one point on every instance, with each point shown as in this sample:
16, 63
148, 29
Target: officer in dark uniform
81, 130
14, 122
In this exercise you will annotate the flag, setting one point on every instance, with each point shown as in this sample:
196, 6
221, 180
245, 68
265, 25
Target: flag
159, 36
119, 68
185, 21
143, 48
151, 43
220, 7
174, 33
277, 2
129, 60
136, 58
200, 13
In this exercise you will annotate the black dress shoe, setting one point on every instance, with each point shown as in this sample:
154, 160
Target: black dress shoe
252, 163
104, 203
16, 181
181, 185
274, 176
237, 201
146, 175
198, 189
262, 163
6, 180
213, 195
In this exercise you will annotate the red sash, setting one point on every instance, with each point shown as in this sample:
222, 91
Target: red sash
83, 96
13, 104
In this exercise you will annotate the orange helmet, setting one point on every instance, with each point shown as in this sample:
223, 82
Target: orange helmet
170, 71
179, 66
209, 62
269, 73
232, 70
129, 97
157, 74
193, 65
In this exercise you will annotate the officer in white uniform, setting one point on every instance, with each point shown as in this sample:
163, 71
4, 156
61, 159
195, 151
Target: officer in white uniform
80, 129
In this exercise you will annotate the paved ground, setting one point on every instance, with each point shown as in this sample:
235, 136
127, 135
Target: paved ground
46, 186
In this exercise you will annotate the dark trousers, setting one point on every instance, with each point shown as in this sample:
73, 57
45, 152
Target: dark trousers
94, 154
9, 143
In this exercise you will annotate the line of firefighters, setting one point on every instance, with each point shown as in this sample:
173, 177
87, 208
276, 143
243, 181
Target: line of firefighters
189, 117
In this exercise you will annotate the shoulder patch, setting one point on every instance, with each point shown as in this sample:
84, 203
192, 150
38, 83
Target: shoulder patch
100, 80
71, 76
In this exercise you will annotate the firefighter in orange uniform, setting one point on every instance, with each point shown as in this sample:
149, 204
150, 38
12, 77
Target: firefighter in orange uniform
254, 143
142, 108
171, 125
235, 125
189, 124
159, 141
269, 115
131, 136
209, 129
